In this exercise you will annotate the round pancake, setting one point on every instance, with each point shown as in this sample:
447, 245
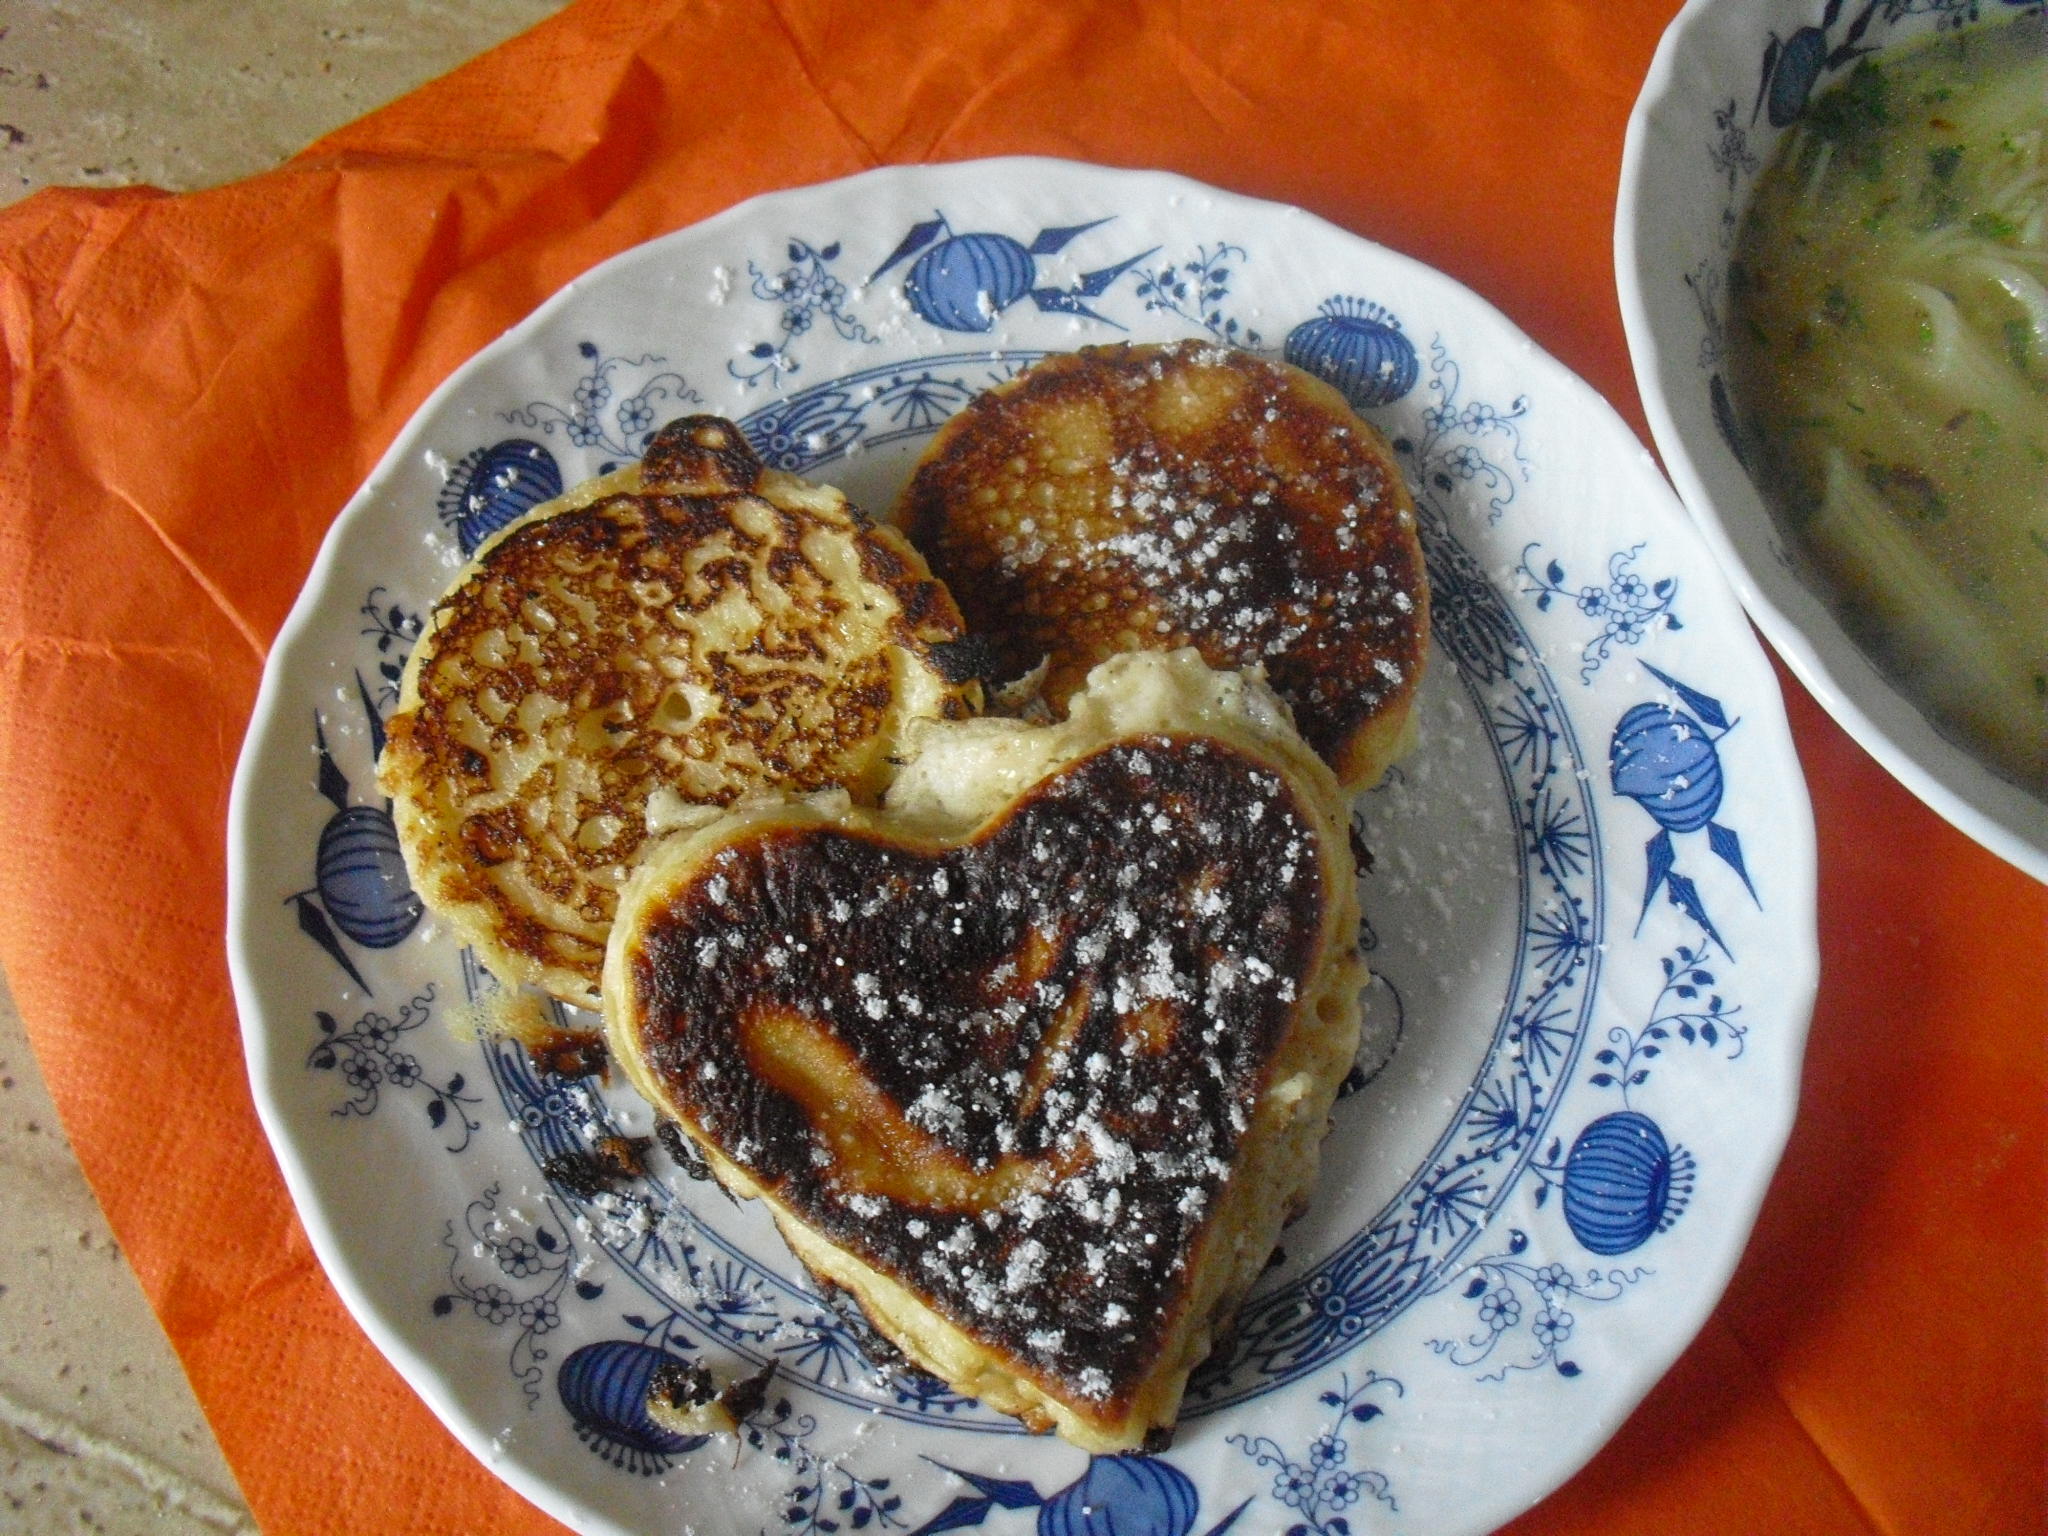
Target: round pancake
1151, 497
672, 637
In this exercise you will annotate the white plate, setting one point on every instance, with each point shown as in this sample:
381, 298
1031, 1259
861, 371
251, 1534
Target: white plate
1590, 908
1728, 78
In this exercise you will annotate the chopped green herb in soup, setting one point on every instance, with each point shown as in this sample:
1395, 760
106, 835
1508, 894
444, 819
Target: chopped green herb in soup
1888, 353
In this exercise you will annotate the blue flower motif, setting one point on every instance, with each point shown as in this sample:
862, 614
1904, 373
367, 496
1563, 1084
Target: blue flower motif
518, 1257
1628, 627
539, 1314
362, 1072
1508, 1286
1296, 1487
582, 421
1340, 1489
1630, 607
1731, 155
1552, 1327
493, 1303
804, 292
1320, 1485
363, 1055
1465, 461
1500, 1310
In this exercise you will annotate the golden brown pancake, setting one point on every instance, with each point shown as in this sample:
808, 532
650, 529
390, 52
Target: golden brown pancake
1131, 497
1035, 1060
657, 643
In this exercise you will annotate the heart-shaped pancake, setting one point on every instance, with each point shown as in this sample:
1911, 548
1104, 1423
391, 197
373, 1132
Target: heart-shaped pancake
1038, 1090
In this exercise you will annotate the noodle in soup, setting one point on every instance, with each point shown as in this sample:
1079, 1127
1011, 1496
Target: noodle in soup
1888, 358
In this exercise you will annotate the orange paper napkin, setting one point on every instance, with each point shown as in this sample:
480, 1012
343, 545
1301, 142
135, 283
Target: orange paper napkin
194, 386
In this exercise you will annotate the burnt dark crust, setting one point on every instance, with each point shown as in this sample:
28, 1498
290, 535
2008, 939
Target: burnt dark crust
701, 453
1276, 534
1176, 879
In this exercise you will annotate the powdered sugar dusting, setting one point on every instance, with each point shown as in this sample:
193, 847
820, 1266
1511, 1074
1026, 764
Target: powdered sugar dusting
1214, 504
1063, 1078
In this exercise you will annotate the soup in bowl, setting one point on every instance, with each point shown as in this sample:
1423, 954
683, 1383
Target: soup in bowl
1832, 251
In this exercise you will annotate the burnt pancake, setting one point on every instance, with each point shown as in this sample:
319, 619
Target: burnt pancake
1034, 1061
658, 643
1130, 497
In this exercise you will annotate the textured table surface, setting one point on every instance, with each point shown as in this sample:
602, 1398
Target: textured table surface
98, 1430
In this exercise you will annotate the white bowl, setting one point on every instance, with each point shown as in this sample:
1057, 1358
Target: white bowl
1701, 132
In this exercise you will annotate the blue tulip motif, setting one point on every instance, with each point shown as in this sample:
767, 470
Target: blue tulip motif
962, 282
360, 884
604, 1386
1666, 760
1792, 66
1723, 410
1663, 759
1623, 1183
1128, 1495
1359, 348
492, 486
360, 874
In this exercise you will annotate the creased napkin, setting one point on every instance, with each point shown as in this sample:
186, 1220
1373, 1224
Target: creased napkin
194, 385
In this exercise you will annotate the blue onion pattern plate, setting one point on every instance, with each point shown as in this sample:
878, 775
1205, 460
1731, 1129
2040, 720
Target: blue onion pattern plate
1590, 910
